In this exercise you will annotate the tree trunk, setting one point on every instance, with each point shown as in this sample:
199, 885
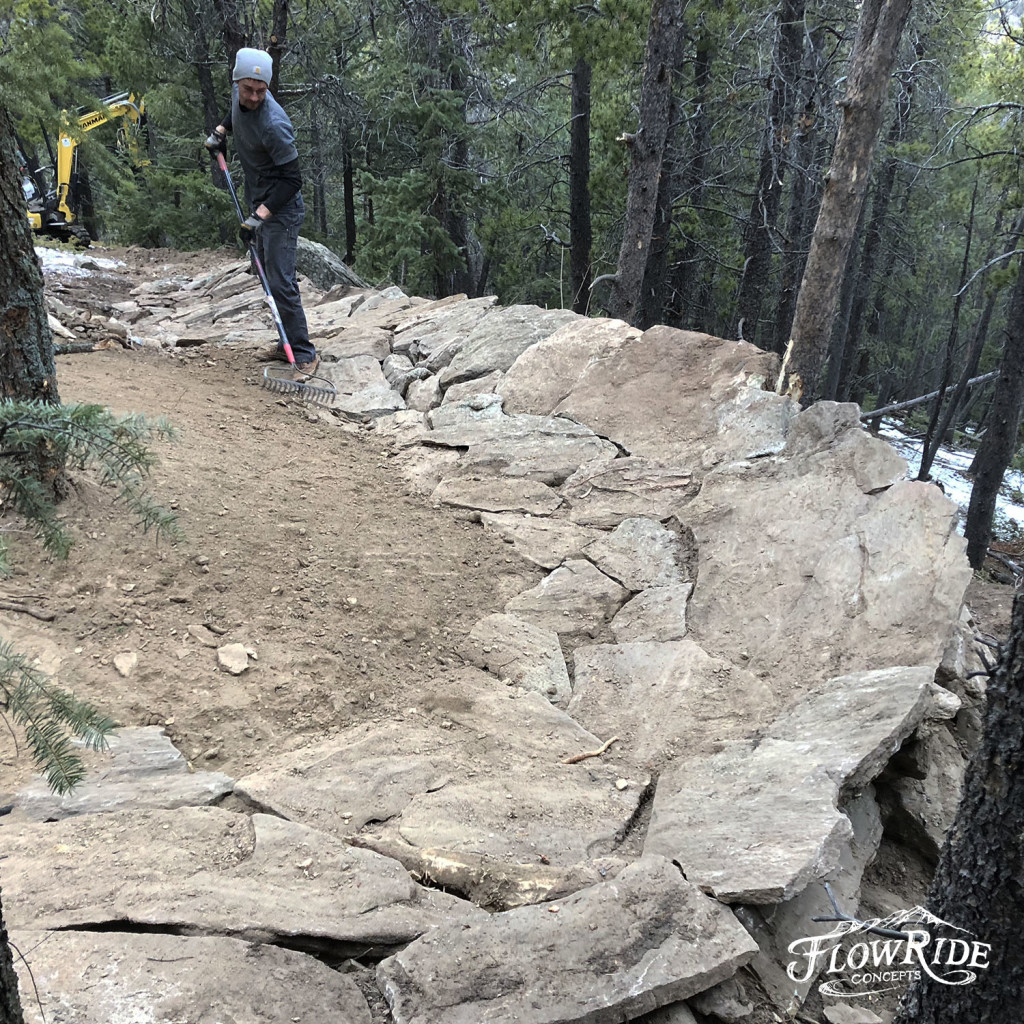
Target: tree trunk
27, 368
764, 211
842, 321
957, 406
647, 152
978, 883
871, 64
684, 277
1000, 440
654, 287
10, 1003
839, 375
806, 156
933, 436
231, 29
580, 229
348, 186
204, 71
278, 42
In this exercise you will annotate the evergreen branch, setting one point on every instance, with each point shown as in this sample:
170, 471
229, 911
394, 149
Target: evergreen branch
50, 716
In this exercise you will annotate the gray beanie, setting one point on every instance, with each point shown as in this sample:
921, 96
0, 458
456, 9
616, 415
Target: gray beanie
252, 64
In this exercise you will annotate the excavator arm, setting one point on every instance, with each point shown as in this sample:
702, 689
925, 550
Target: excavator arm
64, 212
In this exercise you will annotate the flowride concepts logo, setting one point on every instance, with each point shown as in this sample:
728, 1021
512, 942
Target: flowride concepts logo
862, 958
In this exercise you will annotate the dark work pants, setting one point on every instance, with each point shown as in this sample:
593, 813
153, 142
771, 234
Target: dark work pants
275, 243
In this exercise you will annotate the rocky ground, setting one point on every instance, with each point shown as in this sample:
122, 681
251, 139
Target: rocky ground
371, 577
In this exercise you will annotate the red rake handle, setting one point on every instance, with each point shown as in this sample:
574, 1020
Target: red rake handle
223, 165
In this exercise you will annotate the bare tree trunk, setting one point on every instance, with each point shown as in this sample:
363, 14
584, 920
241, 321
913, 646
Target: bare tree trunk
685, 275
933, 436
871, 63
977, 885
647, 152
806, 155
957, 406
840, 373
348, 186
204, 72
231, 29
997, 446
10, 1003
278, 43
580, 230
654, 287
27, 369
764, 211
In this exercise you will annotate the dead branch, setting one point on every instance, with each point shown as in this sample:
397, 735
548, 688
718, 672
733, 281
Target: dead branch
576, 758
28, 609
899, 406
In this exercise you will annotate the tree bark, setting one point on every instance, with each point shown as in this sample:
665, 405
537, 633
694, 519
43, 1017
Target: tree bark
647, 152
933, 436
764, 210
580, 229
204, 72
277, 45
231, 29
684, 277
349, 189
979, 883
871, 63
841, 368
997, 446
27, 369
10, 1003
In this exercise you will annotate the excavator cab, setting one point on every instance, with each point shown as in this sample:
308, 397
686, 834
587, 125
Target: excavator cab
55, 206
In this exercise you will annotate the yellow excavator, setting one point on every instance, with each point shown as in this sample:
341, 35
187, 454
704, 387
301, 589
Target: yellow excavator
55, 194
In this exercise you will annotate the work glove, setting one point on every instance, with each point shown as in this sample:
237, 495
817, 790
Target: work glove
217, 143
249, 227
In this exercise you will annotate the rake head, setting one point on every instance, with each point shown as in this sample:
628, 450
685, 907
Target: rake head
318, 390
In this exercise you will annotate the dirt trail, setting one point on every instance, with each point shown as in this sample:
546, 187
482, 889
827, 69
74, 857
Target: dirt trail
299, 541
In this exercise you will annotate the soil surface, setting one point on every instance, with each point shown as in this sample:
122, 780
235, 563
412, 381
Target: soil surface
299, 541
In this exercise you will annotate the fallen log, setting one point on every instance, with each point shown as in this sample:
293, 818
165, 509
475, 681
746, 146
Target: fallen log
491, 884
911, 402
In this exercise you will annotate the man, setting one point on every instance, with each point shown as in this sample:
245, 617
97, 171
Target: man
265, 143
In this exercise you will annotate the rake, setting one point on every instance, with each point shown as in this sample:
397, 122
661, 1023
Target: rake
322, 392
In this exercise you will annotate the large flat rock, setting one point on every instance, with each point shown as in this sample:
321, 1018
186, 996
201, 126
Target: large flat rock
604, 492
542, 541
543, 455
814, 563
497, 341
126, 978
546, 448
208, 871
681, 380
432, 329
497, 494
576, 598
547, 371
776, 927
606, 954
759, 821
641, 553
527, 655
477, 769
656, 614
665, 700
140, 768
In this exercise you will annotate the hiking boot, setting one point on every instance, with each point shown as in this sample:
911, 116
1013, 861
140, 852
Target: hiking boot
271, 354
305, 370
